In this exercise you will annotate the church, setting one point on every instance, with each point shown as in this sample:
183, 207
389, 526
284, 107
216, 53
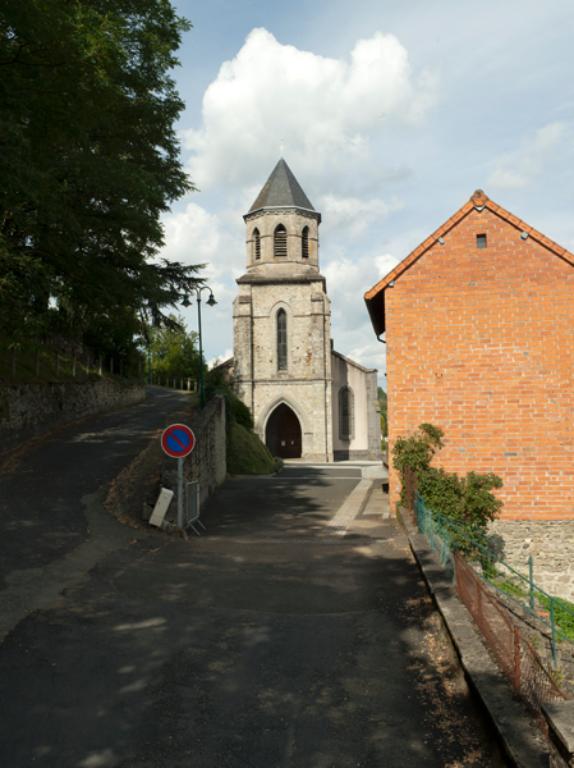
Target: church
307, 400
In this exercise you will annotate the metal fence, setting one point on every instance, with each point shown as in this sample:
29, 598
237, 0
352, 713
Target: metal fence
173, 382
31, 362
487, 589
49, 362
506, 639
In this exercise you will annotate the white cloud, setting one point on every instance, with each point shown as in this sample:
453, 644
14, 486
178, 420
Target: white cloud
220, 358
196, 236
355, 214
322, 110
192, 236
518, 169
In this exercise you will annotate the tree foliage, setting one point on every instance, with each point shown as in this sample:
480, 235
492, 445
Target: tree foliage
173, 352
88, 163
217, 382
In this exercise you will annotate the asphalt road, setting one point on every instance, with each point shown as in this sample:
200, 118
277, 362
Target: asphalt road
43, 514
269, 642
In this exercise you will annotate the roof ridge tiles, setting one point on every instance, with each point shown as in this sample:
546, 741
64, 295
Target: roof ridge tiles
477, 198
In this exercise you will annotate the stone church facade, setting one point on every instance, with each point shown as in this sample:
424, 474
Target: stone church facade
307, 400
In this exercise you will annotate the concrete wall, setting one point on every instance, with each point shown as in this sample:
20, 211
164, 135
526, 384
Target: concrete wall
29, 409
480, 342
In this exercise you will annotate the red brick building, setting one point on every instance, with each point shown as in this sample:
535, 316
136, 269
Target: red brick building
479, 325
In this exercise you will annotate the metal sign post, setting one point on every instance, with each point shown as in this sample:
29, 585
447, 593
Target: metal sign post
180, 493
178, 441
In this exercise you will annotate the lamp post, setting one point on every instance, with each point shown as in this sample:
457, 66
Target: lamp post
210, 303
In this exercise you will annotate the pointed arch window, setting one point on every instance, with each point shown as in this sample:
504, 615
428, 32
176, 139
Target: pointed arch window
256, 244
305, 243
281, 340
280, 241
346, 413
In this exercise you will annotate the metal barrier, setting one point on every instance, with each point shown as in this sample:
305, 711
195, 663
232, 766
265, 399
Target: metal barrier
192, 508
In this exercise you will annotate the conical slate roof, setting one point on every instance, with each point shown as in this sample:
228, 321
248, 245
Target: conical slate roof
281, 190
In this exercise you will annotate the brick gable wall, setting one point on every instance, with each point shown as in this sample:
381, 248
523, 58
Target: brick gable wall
481, 343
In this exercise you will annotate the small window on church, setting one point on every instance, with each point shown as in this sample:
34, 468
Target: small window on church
281, 340
280, 241
256, 244
346, 414
305, 243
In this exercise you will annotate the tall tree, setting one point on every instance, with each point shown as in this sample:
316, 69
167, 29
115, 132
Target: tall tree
88, 162
174, 352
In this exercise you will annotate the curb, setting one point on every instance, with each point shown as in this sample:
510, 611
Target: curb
352, 506
519, 736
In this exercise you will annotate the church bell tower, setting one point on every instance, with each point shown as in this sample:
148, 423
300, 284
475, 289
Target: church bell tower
282, 323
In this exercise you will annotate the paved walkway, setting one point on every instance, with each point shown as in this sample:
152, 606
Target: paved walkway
271, 641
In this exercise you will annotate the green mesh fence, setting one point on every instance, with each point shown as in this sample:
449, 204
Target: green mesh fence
446, 536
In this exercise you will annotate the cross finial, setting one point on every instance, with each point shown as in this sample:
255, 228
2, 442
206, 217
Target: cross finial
281, 148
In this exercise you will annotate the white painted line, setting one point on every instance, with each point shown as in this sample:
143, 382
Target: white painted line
317, 477
296, 477
351, 507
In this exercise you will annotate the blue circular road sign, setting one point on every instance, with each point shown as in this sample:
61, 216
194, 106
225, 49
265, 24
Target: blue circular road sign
177, 441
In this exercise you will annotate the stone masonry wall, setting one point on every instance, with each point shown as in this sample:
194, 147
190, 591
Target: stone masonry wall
208, 462
480, 342
306, 383
134, 492
29, 409
551, 544
293, 221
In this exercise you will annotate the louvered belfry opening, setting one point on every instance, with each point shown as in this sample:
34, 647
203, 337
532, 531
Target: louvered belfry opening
281, 340
305, 243
256, 244
280, 242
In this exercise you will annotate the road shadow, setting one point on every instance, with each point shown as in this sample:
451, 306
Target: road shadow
269, 641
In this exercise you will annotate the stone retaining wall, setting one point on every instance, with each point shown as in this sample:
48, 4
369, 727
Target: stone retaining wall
551, 544
208, 462
134, 492
30, 409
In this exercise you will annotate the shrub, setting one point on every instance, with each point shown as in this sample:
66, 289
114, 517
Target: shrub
246, 454
415, 453
238, 411
467, 501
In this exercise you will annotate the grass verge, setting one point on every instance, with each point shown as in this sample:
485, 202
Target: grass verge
246, 454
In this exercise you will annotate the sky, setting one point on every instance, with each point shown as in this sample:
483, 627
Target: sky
389, 113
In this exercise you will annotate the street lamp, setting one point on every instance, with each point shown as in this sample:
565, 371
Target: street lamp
211, 303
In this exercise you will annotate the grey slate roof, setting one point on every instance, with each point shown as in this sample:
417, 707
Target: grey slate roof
282, 190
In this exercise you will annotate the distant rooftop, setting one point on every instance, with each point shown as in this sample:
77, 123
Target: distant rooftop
282, 190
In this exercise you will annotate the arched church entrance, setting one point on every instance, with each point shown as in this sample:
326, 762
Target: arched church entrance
283, 433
